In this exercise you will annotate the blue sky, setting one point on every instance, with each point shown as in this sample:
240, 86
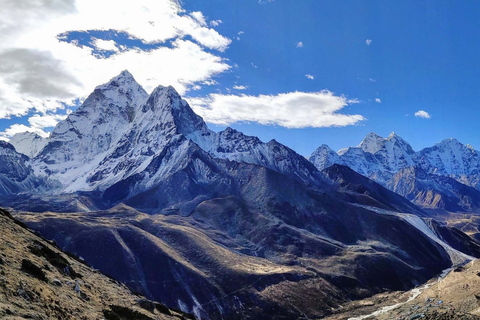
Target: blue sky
301, 72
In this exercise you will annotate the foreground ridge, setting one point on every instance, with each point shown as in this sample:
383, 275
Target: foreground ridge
39, 281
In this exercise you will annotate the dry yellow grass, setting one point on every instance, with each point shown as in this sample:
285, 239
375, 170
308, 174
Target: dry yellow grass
24, 295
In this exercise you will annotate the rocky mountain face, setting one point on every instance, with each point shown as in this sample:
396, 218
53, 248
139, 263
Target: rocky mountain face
434, 191
354, 188
28, 143
444, 176
40, 281
16, 175
223, 225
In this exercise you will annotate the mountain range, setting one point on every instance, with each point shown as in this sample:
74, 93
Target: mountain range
444, 176
225, 226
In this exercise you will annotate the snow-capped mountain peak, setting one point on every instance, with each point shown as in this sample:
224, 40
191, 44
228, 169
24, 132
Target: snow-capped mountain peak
452, 158
162, 97
124, 79
324, 157
119, 130
169, 108
372, 143
391, 135
380, 158
375, 156
15, 171
28, 143
81, 141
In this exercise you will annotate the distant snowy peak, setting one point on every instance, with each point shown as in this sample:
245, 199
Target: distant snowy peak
13, 164
324, 157
372, 143
381, 158
375, 157
15, 172
450, 157
28, 143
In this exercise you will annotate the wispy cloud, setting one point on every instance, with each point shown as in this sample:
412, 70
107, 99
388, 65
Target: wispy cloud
290, 110
299, 44
210, 82
236, 87
378, 100
422, 114
309, 76
107, 45
368, 42
216, 23
197, 15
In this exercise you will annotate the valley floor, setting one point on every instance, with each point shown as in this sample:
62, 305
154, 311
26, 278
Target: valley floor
457, 296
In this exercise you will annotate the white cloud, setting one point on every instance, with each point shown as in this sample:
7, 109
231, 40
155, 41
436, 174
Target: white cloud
19, 128
309, 76
197, 15
216, 23
210, 82
378, 100
254, 65
422, 114
372, 80
299, 44
68, 71
45, 121
236, 87
240, 32
37, 124
290, 110
368, 42
107, 45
